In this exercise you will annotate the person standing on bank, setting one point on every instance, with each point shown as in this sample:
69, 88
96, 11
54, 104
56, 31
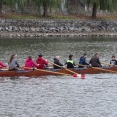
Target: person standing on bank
82, 61
57, 62
13, 64
70, 63
95, 62
113, 61
41, 62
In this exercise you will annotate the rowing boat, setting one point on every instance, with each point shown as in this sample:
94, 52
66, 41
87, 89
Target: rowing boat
37, 73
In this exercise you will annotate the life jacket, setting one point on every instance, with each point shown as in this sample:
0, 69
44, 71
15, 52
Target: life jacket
70, 63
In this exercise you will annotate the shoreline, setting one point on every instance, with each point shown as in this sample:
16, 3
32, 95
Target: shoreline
57, 28
31, 35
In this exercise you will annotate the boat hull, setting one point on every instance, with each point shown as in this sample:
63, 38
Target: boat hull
90, 70
37, 73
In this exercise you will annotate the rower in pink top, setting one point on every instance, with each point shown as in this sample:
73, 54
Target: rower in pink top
2, 65
29, 63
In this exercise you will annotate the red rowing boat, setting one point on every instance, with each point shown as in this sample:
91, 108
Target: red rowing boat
37, 72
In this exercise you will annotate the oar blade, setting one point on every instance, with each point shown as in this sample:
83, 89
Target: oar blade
82, 76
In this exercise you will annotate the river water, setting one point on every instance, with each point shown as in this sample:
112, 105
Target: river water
59, 96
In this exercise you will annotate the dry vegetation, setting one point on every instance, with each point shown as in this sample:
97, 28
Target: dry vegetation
72, 17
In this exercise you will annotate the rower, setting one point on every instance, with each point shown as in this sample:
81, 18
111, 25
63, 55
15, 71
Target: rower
113, 61
13, 64
57, 62
70, 63
82, 61
95, 62
29, 63
41, 61
2, 65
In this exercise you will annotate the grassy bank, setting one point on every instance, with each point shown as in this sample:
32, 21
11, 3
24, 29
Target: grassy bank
16, 16
60, 17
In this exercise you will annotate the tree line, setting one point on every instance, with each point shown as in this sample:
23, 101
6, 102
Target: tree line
110, 5
46, 4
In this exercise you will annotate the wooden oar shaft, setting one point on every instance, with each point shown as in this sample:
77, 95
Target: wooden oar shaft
65, 68
71, 71
4, 69
49, 71
106, 64
54, 64
100, 69
81, 65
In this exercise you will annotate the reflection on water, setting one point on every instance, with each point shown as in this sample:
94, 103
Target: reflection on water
58, 96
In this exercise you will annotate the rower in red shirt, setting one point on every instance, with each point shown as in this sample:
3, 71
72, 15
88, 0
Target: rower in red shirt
41, 62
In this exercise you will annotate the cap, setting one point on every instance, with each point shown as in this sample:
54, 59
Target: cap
40, 55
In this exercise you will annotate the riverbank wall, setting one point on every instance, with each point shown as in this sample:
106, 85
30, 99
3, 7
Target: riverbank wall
57, 28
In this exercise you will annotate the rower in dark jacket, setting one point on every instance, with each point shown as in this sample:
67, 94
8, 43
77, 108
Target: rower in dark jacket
57, 62
95, 62
113, 61
82, 61
70, 63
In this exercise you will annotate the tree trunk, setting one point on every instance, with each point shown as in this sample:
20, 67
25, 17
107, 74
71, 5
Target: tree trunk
45, 9
1, 9
94, 10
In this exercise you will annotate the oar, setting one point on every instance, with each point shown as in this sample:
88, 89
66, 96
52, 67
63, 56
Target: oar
100, 69
48, 71
108, 64
75, 74
5, 69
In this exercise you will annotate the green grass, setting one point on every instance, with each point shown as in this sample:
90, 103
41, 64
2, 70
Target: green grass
24, 17
58, 17
64, 17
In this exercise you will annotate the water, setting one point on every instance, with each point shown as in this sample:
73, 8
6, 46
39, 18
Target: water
58, 96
